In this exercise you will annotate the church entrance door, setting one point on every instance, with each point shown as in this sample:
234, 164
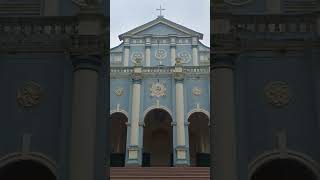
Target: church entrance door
157, 137
26, 169
283, 169
199, 139
118, 139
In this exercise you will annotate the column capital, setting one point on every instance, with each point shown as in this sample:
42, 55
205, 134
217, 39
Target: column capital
173, 123
179, 77
223, 61
137, 74
141, 123
89, 62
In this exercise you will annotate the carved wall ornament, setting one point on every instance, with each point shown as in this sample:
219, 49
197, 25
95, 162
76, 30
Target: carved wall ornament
119, 91
185, 57
196, 91
277, 93
137, 57
158, 89
29, 95
237, 2
161, 54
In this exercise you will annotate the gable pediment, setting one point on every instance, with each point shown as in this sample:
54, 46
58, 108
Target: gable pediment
161, 29
161, 26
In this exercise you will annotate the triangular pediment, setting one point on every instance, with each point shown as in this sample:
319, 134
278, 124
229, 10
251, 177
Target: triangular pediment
163, 27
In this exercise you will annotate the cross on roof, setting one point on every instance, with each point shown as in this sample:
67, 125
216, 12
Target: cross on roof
161, 9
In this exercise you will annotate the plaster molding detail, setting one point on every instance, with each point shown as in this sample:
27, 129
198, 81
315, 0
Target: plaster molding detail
120, 111
150, 108
277, 93
119, 91
158, 90
160, 54
185, 57
137, 57
29, 95
198, 109
196, 91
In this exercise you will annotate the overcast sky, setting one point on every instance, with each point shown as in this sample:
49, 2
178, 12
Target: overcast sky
128, 14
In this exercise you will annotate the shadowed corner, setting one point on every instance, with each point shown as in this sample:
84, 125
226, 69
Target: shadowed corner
264, 83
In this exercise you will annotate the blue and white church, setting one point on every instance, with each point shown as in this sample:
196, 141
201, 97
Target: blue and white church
159, 108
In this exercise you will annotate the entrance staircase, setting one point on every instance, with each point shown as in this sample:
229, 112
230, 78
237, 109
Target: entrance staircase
160, 173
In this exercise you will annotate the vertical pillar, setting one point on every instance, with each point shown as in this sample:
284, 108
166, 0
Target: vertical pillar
181, 149
148, 51
84, 117
173, 50
134, 149
195, 59
126, 52
148, 56
223, 135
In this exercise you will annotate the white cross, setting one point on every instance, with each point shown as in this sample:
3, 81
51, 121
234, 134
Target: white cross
160, 10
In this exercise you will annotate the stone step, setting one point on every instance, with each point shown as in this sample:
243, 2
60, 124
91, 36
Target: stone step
160, 173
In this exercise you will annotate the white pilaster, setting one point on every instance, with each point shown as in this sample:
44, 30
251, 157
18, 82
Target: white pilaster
134, 149
195, 55
135, 115
126, 56
148, 56
173, 55
180, 114
180, 150
195, 59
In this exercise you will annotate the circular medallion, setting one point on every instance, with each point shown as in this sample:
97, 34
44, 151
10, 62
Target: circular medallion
158, 90
277, 93
161, 54
185, 57
137, 57
196, 91
29, 94
237, 2
119, 91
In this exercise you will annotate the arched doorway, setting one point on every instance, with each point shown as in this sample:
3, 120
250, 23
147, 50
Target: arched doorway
199, 139
26, 169
283, 169
157, 138
118, 139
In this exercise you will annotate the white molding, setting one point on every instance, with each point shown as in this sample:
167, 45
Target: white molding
150, 108
32, 156
278, 154
195, 110
120, 111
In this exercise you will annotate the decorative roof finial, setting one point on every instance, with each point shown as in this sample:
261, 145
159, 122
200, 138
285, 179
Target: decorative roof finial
160, 9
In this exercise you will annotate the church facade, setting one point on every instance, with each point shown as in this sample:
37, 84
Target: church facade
159, 91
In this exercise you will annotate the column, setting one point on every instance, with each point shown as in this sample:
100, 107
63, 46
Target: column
134, 149
173, 50
173, 55
181, 150
148, 56
126, 52
84, 118
195, 51
222, 128
148, 51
